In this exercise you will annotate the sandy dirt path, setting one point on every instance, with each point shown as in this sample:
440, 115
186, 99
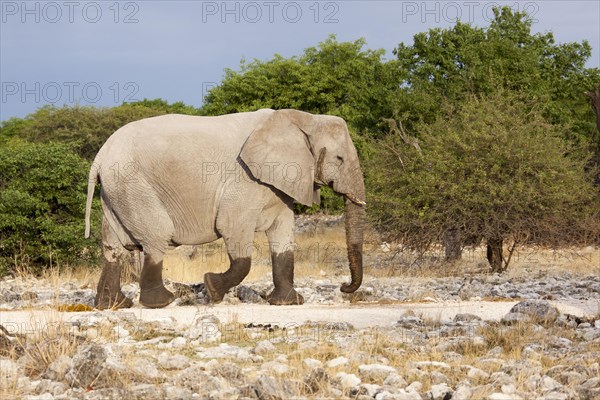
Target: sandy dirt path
359, 315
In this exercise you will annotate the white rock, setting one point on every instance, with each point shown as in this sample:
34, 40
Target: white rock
509, 389
276, 367
52, 387
399, 395
375, 371
144, 368
58, 368
439, 392
282, 358
462, 392
416, 386
177, 361
264, 347
549, 384
337, 362
312, 363
432, 364
348, 381
371, 389
504, 396
45, 396
208, 332
395, 380
178, 342
477, 374
120, 332
437, 378
177, 393
212, 364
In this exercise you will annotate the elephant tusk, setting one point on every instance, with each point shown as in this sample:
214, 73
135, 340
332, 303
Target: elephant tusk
353, 199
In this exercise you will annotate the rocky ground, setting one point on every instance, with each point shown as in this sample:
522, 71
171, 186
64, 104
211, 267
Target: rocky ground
533, 352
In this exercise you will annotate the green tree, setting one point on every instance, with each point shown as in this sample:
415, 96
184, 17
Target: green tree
86, 128
42, 201
492, 168
342, 79
445, 65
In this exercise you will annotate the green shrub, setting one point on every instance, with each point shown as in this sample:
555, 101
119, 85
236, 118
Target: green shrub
42, 206
491, 168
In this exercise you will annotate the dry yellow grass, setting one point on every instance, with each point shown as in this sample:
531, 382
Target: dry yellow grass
318, 253
322, 253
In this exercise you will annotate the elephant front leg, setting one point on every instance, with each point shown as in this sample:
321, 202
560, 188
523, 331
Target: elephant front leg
218, 285
153, 293
281, 244
283, 278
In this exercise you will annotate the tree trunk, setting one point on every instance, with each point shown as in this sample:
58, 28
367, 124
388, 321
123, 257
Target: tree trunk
452, 245
494, 255
595, 98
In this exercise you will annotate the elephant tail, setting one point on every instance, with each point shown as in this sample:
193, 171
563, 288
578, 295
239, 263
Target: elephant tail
92, 180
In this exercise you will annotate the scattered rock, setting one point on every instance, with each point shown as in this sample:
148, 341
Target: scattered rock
9, 371
504, 396
95, 365
440, 392
347, 381
375, 372
395, 380
431, 365
409, 322
462, 392
539, 310
515, 318
275, 367
58, 368
145, 391
264, 347
311, 363
477, 374
337, 362
248, 295
173, 362
268, 388
466, 318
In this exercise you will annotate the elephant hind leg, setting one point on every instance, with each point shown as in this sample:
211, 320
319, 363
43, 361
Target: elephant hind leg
153, 293
238, 238
109, 294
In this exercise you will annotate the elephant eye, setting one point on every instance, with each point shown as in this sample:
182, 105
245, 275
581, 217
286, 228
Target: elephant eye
340, 158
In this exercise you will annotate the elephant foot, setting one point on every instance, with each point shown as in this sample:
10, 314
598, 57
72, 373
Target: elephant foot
215, 286
280, 297
107, 302
156, 298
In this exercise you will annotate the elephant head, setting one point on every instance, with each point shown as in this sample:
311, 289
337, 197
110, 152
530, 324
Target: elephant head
296, 152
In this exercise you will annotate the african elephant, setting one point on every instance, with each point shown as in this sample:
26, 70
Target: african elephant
182, 180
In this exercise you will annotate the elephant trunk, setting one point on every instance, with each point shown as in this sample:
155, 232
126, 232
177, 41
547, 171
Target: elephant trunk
355, 225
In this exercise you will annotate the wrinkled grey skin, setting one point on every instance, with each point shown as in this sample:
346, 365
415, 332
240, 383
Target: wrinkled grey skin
185, 180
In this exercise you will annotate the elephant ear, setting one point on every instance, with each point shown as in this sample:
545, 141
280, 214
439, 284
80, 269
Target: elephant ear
278, 153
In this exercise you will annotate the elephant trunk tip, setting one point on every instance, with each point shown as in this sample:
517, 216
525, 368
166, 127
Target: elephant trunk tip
351, 287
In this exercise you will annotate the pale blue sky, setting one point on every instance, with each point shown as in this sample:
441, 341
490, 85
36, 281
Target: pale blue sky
107, 52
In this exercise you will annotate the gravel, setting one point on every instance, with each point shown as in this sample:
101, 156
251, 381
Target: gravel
536, 350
